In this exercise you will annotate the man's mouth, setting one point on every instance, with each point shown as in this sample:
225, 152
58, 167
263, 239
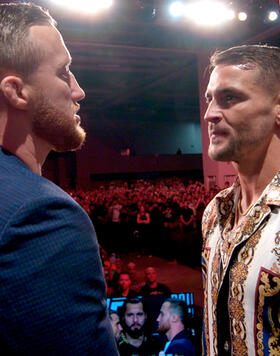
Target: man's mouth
216, 134
136, 326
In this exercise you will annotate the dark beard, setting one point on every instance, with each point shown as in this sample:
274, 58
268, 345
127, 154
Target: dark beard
52, 125
134, 333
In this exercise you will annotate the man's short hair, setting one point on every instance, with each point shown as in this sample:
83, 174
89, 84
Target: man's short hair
262, 57
17, 52
178, 307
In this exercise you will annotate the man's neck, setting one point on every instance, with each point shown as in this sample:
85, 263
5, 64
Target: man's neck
255, 174
125, 293
153, 285
18, 140
171, 333
32, 158
251, 188
135, 342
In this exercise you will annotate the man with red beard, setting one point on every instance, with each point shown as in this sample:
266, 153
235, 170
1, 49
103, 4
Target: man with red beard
134, 340
52, 297
172, 320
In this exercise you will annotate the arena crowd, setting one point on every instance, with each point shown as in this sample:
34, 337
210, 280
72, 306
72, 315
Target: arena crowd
159, 217
145, 217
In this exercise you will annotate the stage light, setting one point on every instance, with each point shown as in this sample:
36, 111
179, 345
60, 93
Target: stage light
176, 9
208, 12
272, 16
242, 16
88, 6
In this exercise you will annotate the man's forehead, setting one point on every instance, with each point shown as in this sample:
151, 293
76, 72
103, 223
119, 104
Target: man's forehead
124, 276
115, 316
134, 307
50, 40
224, 71
231, 76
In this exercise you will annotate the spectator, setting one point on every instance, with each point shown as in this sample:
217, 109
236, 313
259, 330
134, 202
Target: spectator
134, 340
143, 221
171, 322
152, 286
111, 277
124, 287
187, 218
116, 325
115, 228
136, 281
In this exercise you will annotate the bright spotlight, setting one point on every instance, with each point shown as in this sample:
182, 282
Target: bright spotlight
176, 9
88, 6
272, 16
231, 14
242, 16
208, 12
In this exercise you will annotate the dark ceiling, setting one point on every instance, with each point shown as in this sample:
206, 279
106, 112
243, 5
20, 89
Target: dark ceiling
137, 68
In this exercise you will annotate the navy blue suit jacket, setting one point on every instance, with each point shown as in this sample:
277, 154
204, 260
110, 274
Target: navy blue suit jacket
181, 344
52, 290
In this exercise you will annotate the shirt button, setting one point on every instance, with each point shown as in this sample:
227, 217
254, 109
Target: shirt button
226, 346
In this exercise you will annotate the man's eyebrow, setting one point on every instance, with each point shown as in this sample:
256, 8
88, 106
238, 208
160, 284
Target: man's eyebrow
227, 90
222, 91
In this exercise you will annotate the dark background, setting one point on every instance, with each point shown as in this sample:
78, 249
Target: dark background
139, 71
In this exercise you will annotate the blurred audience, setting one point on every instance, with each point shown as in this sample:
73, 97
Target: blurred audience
155, 217
116, 325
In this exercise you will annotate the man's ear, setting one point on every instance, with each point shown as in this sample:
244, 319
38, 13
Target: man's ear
174, 317
14, 90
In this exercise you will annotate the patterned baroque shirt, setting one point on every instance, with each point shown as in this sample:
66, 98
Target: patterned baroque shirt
241, 275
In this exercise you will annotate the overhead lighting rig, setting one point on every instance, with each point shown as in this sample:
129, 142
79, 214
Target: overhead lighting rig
201, 12
215, 12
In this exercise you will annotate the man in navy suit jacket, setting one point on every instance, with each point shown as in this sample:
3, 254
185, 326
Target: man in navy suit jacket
171, 322
52, 290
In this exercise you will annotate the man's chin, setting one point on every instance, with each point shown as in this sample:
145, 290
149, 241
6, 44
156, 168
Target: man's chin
135, 333
72, 144
219, 155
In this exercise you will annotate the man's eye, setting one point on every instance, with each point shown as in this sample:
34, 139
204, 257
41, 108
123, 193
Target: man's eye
65, 75
229, 97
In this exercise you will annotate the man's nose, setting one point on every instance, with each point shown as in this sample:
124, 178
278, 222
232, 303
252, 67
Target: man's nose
213, 113
77, 92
